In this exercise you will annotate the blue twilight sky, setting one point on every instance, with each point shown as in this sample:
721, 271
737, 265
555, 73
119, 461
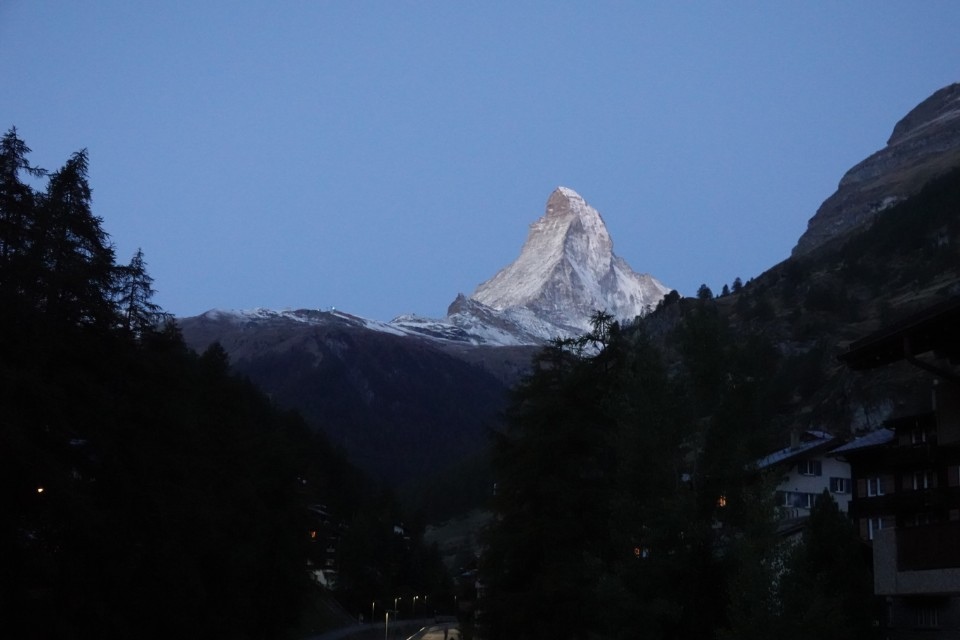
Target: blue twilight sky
382, 156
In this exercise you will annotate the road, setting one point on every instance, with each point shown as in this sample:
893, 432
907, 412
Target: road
428, 630
442, 631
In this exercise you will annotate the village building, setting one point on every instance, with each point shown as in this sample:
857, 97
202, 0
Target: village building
906, 479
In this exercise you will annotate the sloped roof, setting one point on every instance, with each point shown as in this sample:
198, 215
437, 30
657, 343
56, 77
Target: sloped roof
872, 439
819, 441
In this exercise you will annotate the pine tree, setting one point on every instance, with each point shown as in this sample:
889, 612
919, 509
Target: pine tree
827, 591
17, 211
138, 314
16, 197
71, 251
552, 468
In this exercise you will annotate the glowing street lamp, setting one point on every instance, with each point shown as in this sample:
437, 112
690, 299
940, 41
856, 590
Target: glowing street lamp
413, 607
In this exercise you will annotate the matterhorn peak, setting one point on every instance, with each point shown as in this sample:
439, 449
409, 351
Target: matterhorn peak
564, 193
566, 201
567, 270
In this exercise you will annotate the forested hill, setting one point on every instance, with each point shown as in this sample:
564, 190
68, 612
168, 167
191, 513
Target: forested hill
807, 309
146, 491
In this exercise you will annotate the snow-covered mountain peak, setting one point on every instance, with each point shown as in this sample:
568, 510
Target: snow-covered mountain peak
567, 270
562, 194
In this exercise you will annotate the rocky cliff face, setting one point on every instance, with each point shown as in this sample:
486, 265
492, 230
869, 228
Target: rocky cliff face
924, 145
565, 271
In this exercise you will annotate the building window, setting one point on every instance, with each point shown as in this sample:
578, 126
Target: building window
839, 485
928, 616
797, 499
875, 488
874, 525
953, 475
920, 519
924, 480
810, 468
918, 435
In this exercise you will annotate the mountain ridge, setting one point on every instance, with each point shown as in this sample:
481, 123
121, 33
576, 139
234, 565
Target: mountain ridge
924, 145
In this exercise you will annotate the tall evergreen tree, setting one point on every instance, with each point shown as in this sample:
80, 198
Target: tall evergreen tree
596, 533
17, 212
16, 197
72, 252
551, 466
827, 591
134, 294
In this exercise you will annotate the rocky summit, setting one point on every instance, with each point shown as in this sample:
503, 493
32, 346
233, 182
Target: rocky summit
924, 145
566, 271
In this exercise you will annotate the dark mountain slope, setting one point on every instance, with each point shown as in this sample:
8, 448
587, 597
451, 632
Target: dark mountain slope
400, 407
810, 307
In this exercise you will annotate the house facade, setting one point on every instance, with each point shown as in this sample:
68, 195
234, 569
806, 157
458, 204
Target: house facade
804, 470
906, 479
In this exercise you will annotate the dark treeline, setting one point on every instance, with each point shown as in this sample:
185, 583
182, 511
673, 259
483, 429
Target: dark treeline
625, 507
147, 492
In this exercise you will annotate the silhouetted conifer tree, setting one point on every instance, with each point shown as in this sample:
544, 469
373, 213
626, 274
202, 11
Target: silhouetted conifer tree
72, 251
138, 313
827, 590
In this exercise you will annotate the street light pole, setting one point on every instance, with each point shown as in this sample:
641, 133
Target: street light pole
386, 627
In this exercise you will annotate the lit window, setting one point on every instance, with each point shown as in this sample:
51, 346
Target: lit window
722, 501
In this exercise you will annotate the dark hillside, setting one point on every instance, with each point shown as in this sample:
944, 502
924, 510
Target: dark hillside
400, 408
811, 307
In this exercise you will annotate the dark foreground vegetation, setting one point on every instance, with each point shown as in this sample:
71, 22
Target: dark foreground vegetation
621, 514
146, 491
